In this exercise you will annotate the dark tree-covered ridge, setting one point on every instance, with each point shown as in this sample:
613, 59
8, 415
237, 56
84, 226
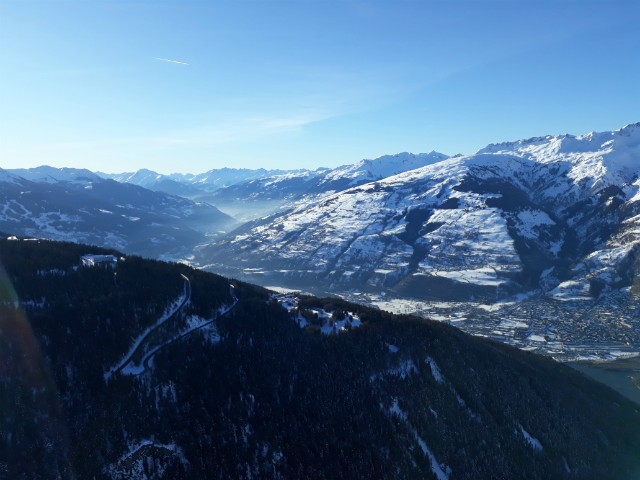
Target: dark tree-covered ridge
239, 390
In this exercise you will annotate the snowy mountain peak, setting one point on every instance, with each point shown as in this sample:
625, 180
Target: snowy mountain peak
594, 160
384, 166
8, 177
142, 177
47, 174
549, 147
632, 129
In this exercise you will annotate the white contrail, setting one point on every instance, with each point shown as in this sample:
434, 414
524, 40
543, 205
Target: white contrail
172, 61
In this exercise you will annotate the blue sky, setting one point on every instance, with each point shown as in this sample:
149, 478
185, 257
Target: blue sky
307, 83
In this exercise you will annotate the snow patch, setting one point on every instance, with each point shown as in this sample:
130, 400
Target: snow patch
533, 442
435, 370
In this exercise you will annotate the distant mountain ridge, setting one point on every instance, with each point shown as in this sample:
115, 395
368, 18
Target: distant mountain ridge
47, 174
251, 193
183, 201
220, 178
79, 206
294, 186
382, 167
193, 184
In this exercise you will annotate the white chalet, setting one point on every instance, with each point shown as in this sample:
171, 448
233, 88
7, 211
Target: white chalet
99, 261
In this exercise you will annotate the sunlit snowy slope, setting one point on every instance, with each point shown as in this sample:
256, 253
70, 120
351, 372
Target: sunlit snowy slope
556, 213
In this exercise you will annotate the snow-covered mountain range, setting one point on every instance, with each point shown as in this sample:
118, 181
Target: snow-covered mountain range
129, 211
295, 185
79, 206
535, 242
556, 213
247, 194
193, 185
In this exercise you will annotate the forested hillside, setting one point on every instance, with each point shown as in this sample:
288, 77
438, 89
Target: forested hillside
141, 369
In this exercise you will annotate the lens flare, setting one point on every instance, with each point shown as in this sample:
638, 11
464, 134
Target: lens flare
29, 397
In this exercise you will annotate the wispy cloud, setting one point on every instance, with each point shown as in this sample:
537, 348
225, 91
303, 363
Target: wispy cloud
209, 134
171, 61
248, 128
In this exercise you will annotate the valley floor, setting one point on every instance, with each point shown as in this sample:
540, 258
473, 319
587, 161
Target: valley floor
575, 330
578, 330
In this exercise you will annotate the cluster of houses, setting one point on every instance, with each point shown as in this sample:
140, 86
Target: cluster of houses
105, 261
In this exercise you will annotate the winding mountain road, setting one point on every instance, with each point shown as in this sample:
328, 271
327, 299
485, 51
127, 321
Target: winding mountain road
127, 366
139, 342
146, 361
